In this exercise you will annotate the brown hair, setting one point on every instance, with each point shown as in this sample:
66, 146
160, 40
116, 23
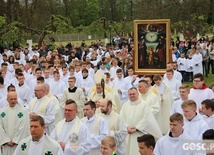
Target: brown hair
157, 77
176, 117
189, 103
39, 119
184, 86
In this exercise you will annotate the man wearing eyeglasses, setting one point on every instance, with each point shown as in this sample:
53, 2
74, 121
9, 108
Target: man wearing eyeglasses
71, 133
43, 106
200, 91
74, 93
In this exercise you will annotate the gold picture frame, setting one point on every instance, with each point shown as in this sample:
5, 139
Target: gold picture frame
151, 44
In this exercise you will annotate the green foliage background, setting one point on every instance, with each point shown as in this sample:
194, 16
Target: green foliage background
44, 17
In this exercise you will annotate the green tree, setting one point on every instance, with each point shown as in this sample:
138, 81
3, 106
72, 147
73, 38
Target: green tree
91, 12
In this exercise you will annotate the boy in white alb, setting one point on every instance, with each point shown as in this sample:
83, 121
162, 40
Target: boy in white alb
207, 109
173, 141
184, 92
194, 124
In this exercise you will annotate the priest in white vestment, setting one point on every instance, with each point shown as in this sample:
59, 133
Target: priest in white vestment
150, 98
75, 94
43, 106
71, 133
14, 124
116, 124
172, 142
97, 126
38, 143
139, 120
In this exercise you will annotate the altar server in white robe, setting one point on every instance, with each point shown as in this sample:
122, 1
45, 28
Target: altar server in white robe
146, 144
150, 98
14, 124
133, 79
200, 91
166, 100
57, 86
97, 126
74, 93
194, 124
114, 69
172, 83
176, 106
197, 62
71, 133
72, 74
174, 140
23, 91
116, 124
32, 80
139, 119
177, 75
87, 82
122, 86
38, 143
207, 109
43, 106
58, 113
4, 102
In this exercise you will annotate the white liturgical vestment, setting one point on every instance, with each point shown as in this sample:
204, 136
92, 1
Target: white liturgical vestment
137, 114
45, 146
14, 126
76, 136
98, 128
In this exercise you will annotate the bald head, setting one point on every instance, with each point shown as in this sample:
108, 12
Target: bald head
105, 106
40, 91
12, 98
103, 101
47, 88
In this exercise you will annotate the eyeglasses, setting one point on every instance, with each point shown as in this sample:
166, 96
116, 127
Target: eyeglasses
37, 90
132, 94
70, 110
196, 81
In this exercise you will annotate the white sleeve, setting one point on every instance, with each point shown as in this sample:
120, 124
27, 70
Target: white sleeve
96, 139
121, 133
84, 143
50, 113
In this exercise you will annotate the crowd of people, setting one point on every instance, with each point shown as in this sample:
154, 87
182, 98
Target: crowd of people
86, 100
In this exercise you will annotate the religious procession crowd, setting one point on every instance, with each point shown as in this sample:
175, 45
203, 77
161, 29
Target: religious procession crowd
81, 100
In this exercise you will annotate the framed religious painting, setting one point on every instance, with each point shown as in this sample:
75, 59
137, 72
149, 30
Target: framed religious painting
151, 41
